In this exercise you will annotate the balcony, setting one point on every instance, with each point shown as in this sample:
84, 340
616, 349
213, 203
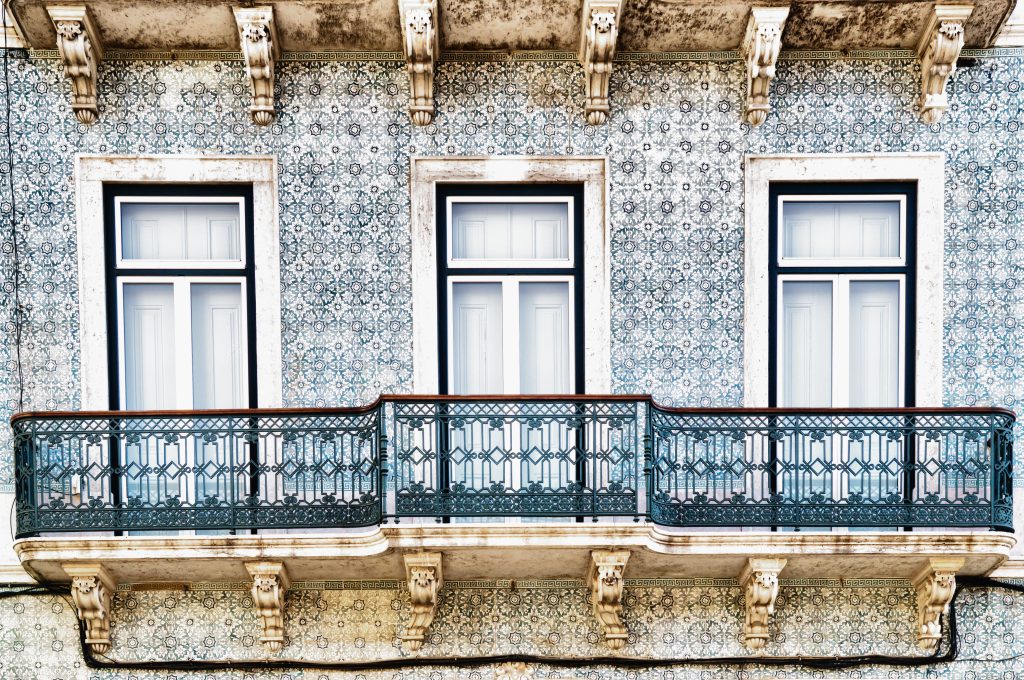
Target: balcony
501, 476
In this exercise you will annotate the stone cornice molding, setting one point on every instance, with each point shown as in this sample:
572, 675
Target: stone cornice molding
938, 49
91, 589
270, 582
760, 583
760, 50
605, 578
598, 38
935, 585
257, 38
81, 51
423, 573
420, 40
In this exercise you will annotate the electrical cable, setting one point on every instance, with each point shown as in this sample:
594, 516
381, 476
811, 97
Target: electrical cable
19, 311
951, 654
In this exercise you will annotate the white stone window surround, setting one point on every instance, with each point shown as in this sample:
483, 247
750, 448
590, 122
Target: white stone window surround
928, 170
591, 171
92, 171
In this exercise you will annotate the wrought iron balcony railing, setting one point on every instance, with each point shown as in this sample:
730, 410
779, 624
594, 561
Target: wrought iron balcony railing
485, 458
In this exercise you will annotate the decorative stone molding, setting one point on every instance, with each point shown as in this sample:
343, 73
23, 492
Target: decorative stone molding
423, 572
938, 50
421, 44
270, 582
760, 49
599, 35
91, 588
935, 585
605, 580
258, 40
760, 583
81, 51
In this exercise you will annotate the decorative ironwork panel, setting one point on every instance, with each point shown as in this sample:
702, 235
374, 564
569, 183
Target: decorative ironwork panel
838, 468
203, 471
518, 458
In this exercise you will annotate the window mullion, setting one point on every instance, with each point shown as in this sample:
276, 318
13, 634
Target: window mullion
183, 342
510, 342
840, 341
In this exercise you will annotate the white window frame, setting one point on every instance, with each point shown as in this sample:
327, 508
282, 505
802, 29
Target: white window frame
121, 262
183, 357
92, 171
511, 263
898, 261
841, 330
510, 324
426, 172
928, 170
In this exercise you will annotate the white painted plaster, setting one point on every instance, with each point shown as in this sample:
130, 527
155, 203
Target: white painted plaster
927, 169
92, 171
592, 172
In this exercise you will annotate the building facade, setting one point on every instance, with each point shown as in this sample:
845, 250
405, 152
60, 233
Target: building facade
739, 283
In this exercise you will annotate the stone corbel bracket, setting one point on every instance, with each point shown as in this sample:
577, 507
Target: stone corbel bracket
270, 582
422, 47
605, 580
423, 572
91, 589
760, 50
938, 50
935, 585
598, 37
81, 51
257, 38
760, 583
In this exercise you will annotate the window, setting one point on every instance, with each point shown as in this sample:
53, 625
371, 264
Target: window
510, 289
180, 297
841, 264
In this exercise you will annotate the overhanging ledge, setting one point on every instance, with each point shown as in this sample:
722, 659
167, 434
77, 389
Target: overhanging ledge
510, 551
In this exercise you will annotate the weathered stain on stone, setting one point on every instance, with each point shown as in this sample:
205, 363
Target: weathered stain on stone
525, 25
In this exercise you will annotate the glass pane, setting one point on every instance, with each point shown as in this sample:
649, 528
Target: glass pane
805, 352
544, 338
874, 343
149, 373
841, 229
510, 231
476, 338
180, 231
218, 346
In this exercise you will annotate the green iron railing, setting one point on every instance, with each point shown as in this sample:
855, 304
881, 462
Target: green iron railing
484, 458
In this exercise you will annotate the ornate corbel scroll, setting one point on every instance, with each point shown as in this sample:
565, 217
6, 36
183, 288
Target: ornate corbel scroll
91, 588
270, 582
935, 585
938, 51
80, 49
600, 33
423, 572
257, 37
420, 38
760, 583
605, 579
760, 50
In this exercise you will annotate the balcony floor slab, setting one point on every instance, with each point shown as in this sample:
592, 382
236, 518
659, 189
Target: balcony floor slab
512, 552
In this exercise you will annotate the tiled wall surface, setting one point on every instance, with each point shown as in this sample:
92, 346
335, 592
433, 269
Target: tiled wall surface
675, 144
666, 620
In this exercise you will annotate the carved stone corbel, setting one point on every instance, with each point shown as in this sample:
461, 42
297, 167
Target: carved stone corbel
935, 585
605, 580
938, 50
270, 582
423, 572
421, 44
760, 50
599, 35
760, 583
91, 589
257, 37
80, 49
